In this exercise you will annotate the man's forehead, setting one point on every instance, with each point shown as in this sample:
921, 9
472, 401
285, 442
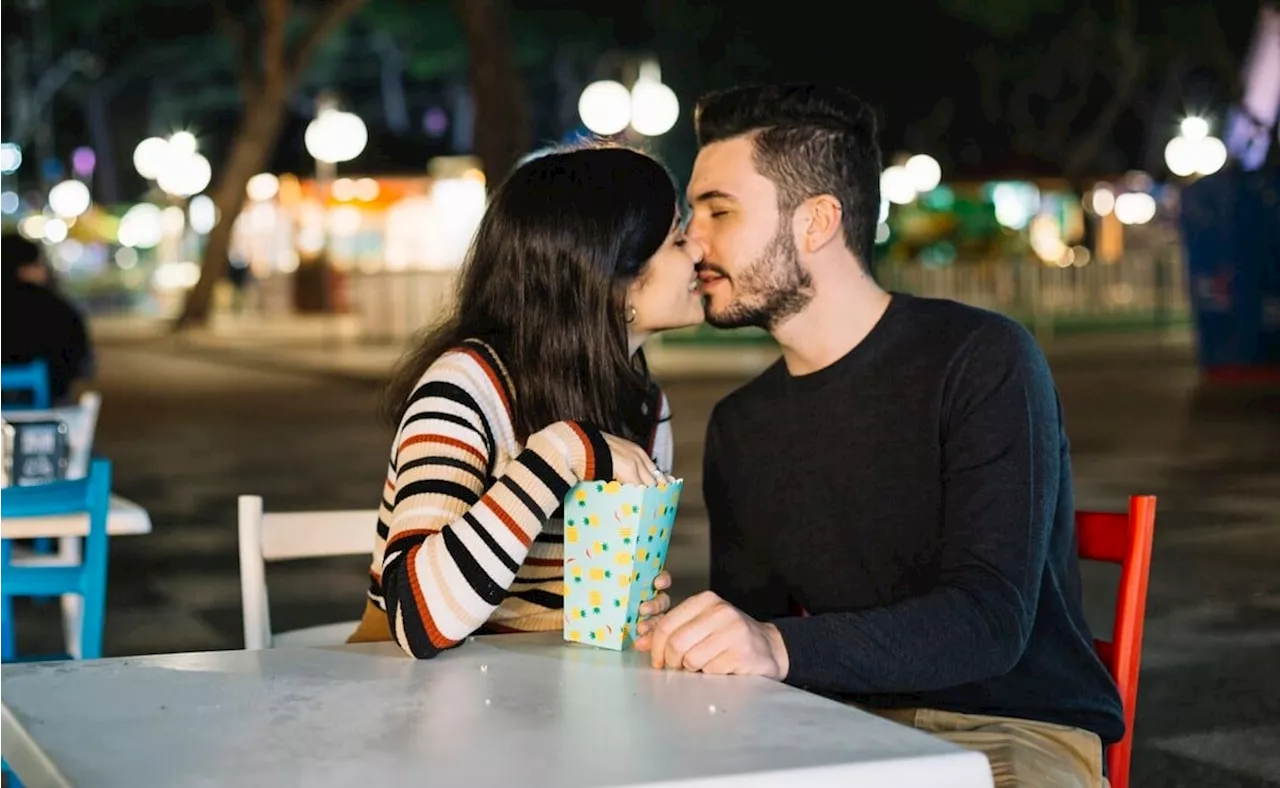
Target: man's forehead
724, 170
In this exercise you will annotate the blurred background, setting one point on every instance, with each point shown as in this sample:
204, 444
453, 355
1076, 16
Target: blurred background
255, 203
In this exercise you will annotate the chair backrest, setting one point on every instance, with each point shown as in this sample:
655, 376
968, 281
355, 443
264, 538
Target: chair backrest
289, 536
31, 377
90, 494
1123, 538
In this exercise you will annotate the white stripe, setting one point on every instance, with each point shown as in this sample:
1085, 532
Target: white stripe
436, 571
387, 559
440, 427
436, 516
445, 405
483, 555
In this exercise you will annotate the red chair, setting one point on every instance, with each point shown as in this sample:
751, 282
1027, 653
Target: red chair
1122, 538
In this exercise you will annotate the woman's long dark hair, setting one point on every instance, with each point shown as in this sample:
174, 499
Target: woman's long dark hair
545, 282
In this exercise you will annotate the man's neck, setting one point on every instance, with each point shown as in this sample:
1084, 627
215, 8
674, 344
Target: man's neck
841, 315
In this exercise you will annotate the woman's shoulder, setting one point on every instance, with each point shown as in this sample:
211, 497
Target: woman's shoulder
472, 374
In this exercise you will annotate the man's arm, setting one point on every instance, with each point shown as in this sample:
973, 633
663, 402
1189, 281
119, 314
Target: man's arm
1001, 475
740, 572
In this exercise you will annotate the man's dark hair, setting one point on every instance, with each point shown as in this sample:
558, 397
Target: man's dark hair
17, 253
810, 139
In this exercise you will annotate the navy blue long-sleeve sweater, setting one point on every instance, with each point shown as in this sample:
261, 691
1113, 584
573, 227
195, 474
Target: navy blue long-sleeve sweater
915, 499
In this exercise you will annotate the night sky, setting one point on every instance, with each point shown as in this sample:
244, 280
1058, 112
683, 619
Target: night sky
165, 66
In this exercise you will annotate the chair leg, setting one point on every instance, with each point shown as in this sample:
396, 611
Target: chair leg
9, 648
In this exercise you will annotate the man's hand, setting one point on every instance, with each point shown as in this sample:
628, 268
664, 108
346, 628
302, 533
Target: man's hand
707, 634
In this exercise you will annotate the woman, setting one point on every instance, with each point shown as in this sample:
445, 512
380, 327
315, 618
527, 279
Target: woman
536, 382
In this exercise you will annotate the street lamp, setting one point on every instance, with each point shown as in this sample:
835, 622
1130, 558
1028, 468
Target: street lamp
1194, 151
649, 107
69, 199
174, 164
333, 137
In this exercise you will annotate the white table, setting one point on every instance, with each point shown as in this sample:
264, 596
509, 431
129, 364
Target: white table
526, 710
124, 518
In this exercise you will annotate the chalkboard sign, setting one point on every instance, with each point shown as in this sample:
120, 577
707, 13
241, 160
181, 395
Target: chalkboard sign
36, 452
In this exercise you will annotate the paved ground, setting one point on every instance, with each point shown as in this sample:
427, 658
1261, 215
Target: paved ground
190, 429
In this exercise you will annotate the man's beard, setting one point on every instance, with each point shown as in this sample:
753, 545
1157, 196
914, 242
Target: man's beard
773, 288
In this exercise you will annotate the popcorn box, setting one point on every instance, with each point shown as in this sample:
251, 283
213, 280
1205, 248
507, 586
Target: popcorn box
615, 543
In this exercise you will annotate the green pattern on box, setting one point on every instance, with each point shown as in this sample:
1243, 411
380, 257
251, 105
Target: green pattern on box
615, 543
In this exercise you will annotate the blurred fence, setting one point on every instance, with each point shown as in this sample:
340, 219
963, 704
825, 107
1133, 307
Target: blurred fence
1139, 292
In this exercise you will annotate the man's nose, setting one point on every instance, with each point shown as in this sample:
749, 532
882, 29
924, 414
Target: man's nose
694, 248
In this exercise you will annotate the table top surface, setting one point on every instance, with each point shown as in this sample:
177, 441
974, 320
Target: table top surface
125, 518
508, 710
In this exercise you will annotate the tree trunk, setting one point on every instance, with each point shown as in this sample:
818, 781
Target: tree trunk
501, 124
254, 143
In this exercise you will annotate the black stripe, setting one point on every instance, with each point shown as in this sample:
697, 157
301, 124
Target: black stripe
524, 497
540, 597
477, 578
492, 543
384, 530
443, 487
546, 538
601, 453
558, 514
544, 473
402, 542
490, 358
444, 462
387, 505
452, 418
455, 393
548, 579
395, 578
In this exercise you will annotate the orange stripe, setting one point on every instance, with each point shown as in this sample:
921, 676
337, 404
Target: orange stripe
493, 378
509, 523
400, 536
420, 603
586, 444
390, 487
544, 561
443, 439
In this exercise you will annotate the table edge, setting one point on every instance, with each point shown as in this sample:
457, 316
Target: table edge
25, 758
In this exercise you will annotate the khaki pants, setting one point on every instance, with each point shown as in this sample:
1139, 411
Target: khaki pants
1023, 753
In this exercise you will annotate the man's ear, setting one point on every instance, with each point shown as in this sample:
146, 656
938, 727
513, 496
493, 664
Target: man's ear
817, 222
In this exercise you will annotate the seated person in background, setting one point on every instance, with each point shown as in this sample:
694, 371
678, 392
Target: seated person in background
536, 382
41, 324
890, 504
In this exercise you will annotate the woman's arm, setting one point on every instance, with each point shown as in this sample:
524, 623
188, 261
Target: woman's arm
452, 546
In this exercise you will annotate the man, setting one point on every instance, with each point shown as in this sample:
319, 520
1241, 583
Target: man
39, 323
891, 503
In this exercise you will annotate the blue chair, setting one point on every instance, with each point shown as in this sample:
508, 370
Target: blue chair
31, 377
91, 494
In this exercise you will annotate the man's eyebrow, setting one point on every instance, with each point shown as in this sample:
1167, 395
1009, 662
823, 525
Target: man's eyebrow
713, 194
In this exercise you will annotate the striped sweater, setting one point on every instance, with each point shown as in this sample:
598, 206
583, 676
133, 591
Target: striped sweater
469, 536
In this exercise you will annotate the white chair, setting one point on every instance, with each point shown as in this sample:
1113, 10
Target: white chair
286, 537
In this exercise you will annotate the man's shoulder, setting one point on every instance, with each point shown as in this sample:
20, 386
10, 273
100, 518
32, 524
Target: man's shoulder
959, 331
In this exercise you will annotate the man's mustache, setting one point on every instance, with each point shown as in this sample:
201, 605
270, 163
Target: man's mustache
711, 268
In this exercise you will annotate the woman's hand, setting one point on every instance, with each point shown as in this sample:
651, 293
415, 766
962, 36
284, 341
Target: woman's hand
650, 611
632, 464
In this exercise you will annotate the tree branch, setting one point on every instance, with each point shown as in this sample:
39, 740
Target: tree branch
334, 14
1133, 61
275, 23
238, 35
